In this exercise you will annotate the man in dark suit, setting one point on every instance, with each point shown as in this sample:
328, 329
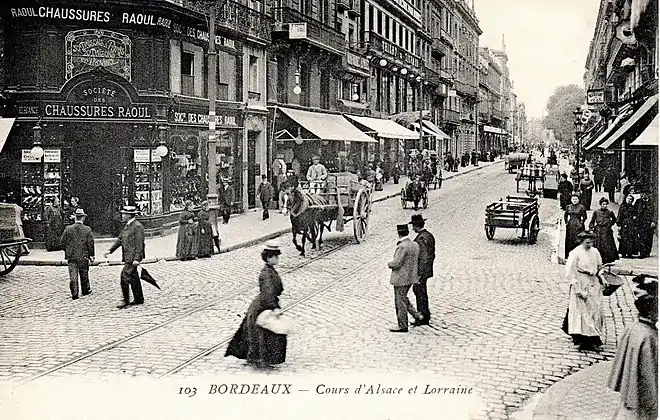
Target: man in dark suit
265, 193
646, 222
77, 242
426, 243
404, 275
131, 240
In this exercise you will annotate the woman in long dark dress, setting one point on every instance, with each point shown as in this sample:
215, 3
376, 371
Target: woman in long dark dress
257, 345
186, 240
601, 224
565, 188
586, 190
53, 216
574, 217
204, 232
627, 231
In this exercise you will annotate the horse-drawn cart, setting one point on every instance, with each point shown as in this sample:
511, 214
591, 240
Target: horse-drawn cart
515, 161
514, 213
12, 242
416, 192
342, 198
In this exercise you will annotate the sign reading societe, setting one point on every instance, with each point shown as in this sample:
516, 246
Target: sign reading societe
203, 119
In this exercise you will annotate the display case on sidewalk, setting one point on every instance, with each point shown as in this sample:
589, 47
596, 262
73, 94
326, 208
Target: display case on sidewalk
147, 182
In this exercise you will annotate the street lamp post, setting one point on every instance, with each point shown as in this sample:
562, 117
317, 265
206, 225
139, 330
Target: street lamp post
578, 130
212, 193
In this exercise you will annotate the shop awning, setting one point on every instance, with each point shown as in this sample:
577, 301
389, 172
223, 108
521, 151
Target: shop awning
489, 129
5, 127
387, 129
438, 132
608, 131
332, 127
639, 114
649, 137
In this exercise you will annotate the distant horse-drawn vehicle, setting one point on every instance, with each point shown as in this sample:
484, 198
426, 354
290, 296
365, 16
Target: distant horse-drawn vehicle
416, 192
343, 199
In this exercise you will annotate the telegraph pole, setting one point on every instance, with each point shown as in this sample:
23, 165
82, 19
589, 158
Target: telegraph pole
212, 194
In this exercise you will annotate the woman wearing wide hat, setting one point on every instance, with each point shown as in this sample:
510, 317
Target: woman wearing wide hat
257, 345
584, 320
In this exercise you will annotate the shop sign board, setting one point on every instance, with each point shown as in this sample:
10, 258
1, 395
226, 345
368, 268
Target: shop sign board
223, 119
297, 30
27, 157
52, 155
86, 49
141, 155
595, 97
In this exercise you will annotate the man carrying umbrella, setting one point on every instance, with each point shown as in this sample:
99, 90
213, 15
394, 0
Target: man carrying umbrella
131, 240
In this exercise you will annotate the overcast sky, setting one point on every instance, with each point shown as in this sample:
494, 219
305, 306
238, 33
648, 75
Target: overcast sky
547, 42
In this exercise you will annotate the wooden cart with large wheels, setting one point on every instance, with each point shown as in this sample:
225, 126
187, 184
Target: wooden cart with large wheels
409, 197
12, 242
515, 212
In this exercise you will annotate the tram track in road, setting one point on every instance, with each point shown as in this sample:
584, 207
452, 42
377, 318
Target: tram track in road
114, 344
223, 316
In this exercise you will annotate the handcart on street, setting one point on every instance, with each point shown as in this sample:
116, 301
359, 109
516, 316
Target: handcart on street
534, 174
551, 183
13, 244
516, 212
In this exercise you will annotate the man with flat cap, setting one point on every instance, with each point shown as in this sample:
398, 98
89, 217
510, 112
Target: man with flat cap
77, 242
426, 243
316, 175
131, 240
404, 275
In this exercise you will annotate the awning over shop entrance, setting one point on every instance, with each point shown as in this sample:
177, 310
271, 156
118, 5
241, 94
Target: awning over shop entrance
608, 131
639, 114
431, 129
649, 137
331, 127
5, 127
387, 129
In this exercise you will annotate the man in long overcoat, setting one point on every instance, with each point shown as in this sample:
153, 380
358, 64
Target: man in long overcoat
426, 243
265, 194
131, 240
77, 242
646, 222
404, 275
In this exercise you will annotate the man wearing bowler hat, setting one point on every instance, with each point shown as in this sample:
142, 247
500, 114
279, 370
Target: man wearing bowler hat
404, 275
426, 243
131, 240
77, 242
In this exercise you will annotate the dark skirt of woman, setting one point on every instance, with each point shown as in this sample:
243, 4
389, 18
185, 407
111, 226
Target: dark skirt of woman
585, 198
605, 244
54, 231
628, 240
186, 248
578, 339
573, 229
204, 239
255, 344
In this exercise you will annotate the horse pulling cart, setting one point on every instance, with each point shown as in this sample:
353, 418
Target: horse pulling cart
342, 199
514, 213
12, 242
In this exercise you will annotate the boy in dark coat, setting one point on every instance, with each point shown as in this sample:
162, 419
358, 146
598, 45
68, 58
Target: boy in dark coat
77, 242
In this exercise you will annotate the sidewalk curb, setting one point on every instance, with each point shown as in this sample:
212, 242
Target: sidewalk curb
245, 244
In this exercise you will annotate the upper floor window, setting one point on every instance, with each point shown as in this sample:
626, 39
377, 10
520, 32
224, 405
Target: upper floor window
254, 74
188, 73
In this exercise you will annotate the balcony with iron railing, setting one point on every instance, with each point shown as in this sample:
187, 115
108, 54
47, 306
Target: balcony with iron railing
386, 48
318, 33
235, 17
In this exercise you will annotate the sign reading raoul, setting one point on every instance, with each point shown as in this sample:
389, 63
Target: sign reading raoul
595, 97
87, 49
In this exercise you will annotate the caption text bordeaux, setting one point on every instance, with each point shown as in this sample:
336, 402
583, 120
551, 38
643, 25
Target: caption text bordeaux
322, 389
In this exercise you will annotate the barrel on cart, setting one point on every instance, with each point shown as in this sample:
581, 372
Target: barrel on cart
12, 242
516, 212
514, 161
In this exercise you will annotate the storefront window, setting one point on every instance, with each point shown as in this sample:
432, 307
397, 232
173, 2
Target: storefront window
184, 171
148, 182
229, 163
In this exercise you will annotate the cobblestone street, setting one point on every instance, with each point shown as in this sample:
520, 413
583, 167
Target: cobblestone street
497, 308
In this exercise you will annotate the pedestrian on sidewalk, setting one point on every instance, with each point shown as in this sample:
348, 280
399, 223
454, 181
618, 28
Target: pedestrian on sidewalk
131, 241
265, 193
601, 224
284, 183
565, 188
635, 370
584, 319
186, 241
647, 220
404, 275
54, 225
575, 216
426, 243
253, 343
77, 242
609, 183
205, 232
627, 228
599, 174
586, 190
70, 210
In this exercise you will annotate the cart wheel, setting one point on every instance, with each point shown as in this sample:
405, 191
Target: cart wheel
490, 232
361, 211
404, 202
425, 201
533, 232
9, 258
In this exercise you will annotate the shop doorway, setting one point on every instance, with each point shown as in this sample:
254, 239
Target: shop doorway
96, 161
253, 168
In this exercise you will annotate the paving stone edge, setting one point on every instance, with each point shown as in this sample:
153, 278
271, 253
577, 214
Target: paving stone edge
244, 244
